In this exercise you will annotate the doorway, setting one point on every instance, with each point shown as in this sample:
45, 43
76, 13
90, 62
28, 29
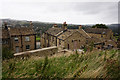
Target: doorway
68, 46
17, 49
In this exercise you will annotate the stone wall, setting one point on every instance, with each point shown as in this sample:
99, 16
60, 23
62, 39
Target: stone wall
22, 46
49, 51
75, 41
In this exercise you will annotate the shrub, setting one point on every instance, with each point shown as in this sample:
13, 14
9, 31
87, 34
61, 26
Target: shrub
85, 49
11, 68
38, 67
7, 53
112, 68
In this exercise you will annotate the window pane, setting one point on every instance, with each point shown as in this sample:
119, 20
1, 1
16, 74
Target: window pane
27, 46
27, 38
16, 39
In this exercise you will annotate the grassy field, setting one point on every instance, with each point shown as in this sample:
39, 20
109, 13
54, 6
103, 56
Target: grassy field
99, 64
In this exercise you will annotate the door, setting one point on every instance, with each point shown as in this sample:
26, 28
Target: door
68, 46
17, 49
75, 45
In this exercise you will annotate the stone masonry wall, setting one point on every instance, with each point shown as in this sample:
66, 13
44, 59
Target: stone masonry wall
49, 51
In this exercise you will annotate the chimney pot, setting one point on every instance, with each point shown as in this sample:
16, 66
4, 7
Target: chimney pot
80, 27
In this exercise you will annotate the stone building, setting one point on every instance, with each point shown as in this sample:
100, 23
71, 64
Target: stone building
101, 37
18, 39
64, 38
77, 38
103, 34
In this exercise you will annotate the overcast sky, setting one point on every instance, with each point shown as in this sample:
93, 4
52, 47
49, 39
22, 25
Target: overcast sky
72, 11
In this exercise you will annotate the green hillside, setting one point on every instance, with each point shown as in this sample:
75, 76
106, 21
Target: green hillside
99, 64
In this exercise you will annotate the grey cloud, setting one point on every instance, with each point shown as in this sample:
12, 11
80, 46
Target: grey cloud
75, 12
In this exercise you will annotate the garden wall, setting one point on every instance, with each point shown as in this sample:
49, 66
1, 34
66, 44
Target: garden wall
49, 51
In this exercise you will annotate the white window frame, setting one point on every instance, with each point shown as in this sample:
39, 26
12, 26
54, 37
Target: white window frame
27, 38
16, 39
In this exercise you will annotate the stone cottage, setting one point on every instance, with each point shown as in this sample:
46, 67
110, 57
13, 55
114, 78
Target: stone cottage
18, 39
103, 38
65, 38
77, 38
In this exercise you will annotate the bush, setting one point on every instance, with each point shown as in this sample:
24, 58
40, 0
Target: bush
85, 49
7, 53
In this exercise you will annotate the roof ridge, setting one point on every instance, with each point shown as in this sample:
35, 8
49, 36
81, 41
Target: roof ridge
86, 33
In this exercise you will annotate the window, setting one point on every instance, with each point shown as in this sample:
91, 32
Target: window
27, 38
53, 38
17, 49
72, 40
27, 47
16, 39
59, 42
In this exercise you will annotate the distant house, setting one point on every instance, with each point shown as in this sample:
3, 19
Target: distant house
100, 33
102, 37
18, 39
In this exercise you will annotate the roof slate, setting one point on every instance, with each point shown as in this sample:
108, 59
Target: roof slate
69, 32
21, 31
54, 31
6, 33
97, 30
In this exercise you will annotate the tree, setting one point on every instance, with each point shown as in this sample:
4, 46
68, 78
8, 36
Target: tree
100, 26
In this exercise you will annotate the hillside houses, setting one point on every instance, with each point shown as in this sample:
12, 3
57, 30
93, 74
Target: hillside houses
76, 38
18, 39
101, 35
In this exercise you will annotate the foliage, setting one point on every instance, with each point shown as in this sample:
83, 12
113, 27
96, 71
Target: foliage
7, 53
91, 46
42, 68
100, 26
64, 66
38, 38
11, 68
85, 49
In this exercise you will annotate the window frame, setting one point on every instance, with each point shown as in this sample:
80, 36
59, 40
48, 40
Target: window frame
27, 46
16, 40
27, 38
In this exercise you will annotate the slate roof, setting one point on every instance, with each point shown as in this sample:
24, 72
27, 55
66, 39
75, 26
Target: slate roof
97, 30
21, 31
5, 33
54, 31
69, 32
66, 34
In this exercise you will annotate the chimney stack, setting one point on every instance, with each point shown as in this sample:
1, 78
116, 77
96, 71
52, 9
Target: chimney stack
5, 25
55, 26
80, 27
64, 26
31, 24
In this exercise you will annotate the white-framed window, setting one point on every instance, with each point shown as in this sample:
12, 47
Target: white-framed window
16, 39
27, 47
27, 38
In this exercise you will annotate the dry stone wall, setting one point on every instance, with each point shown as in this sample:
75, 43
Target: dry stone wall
49, 51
